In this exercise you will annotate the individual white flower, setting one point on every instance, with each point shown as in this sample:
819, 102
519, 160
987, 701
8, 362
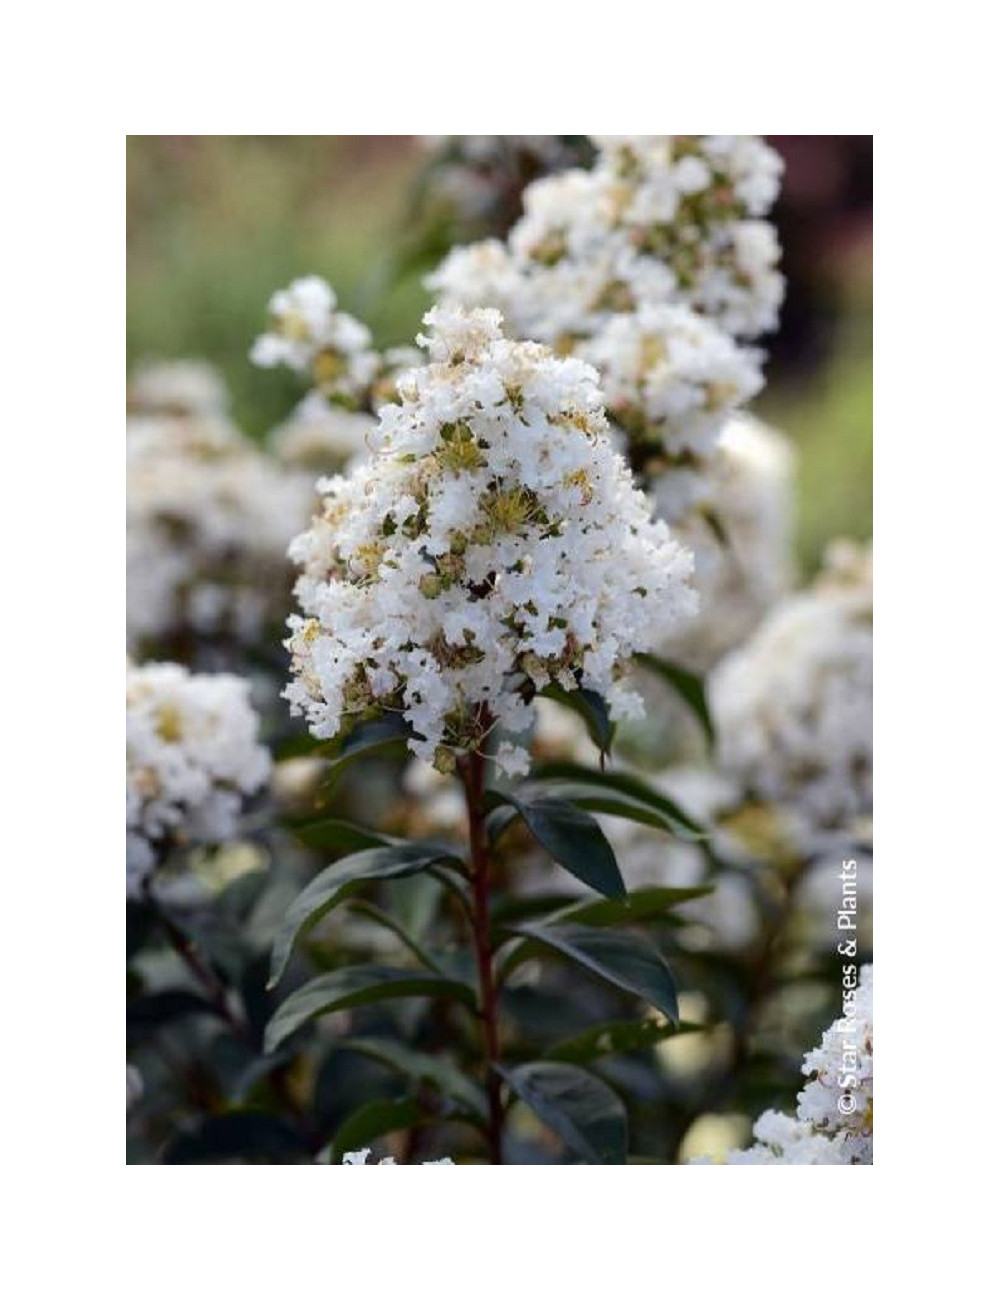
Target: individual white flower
310, 336
178, 388
793, 707
208, 518
494, 544
741, 537
833, 1124
191, 758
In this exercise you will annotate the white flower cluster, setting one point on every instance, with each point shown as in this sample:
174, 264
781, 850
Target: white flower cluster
361, 1158
310, 336
650, 266
208, 518
178, 388
742, 540
191, 757
833, 1124
494, 544
793, 707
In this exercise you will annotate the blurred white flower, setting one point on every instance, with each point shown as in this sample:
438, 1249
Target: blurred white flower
310, 336
191, 758
208, 521
793, 707
177, 388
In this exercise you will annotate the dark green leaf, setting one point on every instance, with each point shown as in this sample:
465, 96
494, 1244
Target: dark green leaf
612, 804
573, 838
689, 687
577, 1106
615, 1038
640, 905
625, 784
589, 706
373, 1120
355, 986
343, 880
335, 836
239, 1135
421, 1068
629, 961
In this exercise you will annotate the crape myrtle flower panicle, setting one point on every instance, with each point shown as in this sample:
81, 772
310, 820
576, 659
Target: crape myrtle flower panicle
833, 1124
493, 544
694, 203
311, 337
191, 758
651, 267
793, 706
658, 220
208, 518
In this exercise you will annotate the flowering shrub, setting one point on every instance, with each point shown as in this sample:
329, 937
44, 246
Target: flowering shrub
569, 787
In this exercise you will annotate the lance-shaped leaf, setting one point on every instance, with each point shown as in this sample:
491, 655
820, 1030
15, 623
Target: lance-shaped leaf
335, 836
422, 1068
356, 986
571, 836
640, 905
373, 1120
343, 880
688, 686
626, 789
628, 961
575, 1105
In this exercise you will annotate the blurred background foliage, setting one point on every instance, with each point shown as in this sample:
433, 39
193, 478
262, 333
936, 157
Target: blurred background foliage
217, 223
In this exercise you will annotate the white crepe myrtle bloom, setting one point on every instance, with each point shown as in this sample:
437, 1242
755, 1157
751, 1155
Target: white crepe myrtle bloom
178, 388
311, 337
208, 518
361, 1158
833, 1124
651, 266
694, 203
493, 545
793, 707
658, 220
191, 758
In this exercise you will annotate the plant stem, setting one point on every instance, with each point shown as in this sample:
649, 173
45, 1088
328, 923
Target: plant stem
472, 768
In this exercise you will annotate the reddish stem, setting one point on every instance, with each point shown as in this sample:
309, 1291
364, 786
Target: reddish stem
472, 768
